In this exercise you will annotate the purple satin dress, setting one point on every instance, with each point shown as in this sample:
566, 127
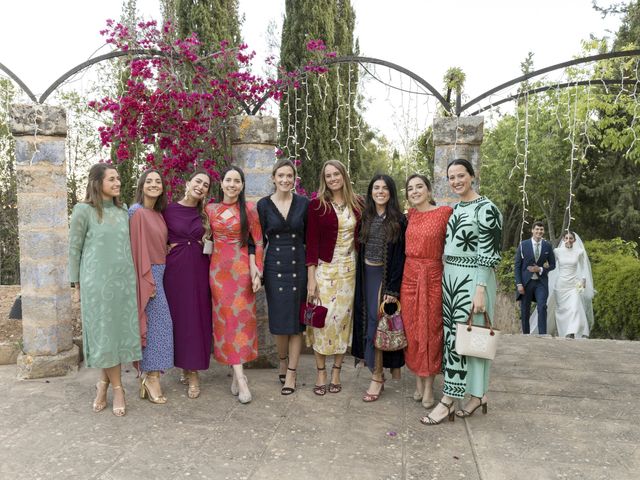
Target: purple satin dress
186, 284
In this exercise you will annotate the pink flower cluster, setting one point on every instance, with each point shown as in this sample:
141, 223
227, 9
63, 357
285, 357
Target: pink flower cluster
176, 102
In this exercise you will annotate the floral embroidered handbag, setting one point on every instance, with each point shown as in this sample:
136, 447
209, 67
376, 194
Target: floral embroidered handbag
312, 313
390, 334
475, 340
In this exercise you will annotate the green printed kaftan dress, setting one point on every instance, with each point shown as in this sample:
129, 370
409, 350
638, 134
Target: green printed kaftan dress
100, 259
472, 251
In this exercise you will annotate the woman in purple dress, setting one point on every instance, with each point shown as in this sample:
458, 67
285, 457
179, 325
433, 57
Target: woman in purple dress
186, 280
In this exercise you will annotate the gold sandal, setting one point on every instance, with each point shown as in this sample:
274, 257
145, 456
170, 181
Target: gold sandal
119, 411
99, 406
146, 393
194, 388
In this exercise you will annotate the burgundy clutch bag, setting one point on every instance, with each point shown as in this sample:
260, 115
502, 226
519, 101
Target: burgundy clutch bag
312, 313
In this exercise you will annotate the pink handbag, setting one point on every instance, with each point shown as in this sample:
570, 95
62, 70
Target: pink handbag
390, 334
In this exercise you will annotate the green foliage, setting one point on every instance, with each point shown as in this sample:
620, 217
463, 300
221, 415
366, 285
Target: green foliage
505, 272
213, 21
616, 276
589, 131
454, 79
9, 246
536, 134
320, 119
375, 158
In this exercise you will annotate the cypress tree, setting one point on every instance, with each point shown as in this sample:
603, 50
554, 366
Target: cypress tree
319, 120
212, 20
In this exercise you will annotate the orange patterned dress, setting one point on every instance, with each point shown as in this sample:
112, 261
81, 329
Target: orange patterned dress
235, 336
421, 291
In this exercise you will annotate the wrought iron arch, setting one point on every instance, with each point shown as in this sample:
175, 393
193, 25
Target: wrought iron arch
459, 107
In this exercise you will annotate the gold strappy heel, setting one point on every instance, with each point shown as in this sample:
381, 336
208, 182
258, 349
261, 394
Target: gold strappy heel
146, 393
119, 411
99, 406
194, 388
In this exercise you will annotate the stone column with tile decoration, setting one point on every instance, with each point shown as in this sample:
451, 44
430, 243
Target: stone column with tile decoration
253, 144
47, 329
455, 137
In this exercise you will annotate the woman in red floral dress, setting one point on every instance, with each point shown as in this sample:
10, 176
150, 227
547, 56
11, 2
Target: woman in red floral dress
421, 290
234, 277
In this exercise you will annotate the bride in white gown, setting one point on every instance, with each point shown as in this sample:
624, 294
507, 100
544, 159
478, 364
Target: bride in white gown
569, 307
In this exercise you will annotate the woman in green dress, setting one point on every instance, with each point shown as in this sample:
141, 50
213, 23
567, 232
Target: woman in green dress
471, 253
100, 261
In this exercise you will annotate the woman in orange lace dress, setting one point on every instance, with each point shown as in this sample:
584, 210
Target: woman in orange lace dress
234, 276
421, 290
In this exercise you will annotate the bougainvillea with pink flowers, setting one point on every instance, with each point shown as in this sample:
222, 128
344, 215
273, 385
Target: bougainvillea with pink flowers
175, 102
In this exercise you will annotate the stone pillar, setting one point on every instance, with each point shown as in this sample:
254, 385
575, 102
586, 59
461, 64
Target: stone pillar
253, 143
455, 137
47, 332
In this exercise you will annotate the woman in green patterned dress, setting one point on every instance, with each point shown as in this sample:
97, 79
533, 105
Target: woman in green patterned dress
471, 252
100, 261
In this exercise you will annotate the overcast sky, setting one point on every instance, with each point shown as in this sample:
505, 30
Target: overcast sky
42, 39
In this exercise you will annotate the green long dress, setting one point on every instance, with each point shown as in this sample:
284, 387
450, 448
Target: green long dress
100, 259
472, 250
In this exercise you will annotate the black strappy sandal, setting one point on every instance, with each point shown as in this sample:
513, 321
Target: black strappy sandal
282, 376
320, 390
463, 413
335, 387
451, 415
289, 390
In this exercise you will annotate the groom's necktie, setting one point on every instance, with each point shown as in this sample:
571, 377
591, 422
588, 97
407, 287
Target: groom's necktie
537, 251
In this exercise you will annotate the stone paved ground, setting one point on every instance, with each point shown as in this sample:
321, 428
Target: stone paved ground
558, 409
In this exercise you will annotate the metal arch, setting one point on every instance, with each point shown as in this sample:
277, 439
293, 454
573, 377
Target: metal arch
253, 110
93, 61
356, 59
133, 53
384, 63
594, 83
535, 73
20, 83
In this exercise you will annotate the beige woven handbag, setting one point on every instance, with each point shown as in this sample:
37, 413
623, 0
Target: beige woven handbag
475, 340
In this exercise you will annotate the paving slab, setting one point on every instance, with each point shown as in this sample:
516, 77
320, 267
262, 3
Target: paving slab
558, 409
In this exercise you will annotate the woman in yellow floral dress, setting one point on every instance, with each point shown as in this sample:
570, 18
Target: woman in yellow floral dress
332, 227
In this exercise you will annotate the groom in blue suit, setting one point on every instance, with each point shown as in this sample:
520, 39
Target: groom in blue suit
534, 260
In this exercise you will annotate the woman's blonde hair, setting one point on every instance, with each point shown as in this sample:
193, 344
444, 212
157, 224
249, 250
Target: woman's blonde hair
324, 194
93, 196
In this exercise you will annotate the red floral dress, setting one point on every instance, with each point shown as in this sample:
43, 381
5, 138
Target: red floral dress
421, 291
235, 338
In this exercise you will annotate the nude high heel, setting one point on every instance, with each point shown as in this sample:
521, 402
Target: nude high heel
99, 406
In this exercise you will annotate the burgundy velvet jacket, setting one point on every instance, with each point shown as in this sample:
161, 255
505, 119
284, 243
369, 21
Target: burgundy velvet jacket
322, 232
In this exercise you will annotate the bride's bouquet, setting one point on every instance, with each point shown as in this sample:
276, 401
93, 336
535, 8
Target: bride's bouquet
580, 287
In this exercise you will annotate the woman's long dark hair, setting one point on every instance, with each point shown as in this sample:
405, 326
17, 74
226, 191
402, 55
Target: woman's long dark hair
242, 203
161, 201
201, 203
393, 214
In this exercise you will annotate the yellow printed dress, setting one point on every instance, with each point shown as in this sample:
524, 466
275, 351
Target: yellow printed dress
336, 284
